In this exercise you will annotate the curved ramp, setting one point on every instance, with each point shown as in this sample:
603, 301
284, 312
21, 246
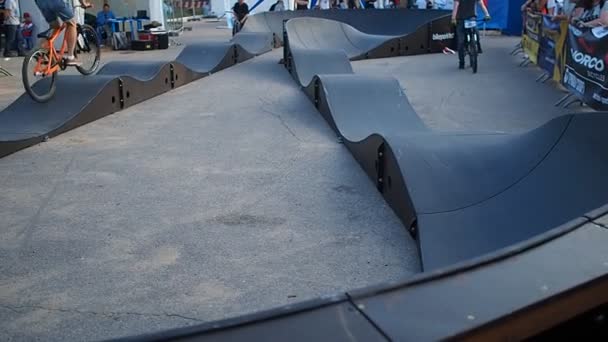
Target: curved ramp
393, 22
461, 194
25, 122
334, 42
116, 86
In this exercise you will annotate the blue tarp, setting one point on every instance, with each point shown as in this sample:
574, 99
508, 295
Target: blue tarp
506, 15
514, 24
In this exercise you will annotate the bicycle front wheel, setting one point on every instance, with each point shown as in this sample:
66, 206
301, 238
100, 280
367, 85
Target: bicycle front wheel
88, 50
39, 85
473, 55
236, 27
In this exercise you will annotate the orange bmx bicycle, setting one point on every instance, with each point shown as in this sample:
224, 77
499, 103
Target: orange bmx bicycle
40, 67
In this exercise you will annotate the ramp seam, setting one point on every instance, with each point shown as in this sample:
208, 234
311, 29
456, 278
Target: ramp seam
367, 318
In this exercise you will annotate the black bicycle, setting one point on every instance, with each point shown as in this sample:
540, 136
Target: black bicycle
471, 41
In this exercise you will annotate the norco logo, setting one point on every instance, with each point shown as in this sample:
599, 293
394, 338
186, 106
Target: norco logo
443, 36
588, 61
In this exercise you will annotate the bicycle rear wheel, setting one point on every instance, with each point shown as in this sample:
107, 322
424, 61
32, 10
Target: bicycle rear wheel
88, 50
39, 86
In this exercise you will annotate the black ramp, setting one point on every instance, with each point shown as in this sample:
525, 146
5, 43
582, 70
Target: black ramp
256, 43
307, 66
497, 296
464, 194
205, 58
339, 321
140, 70
570, 181
116, 86
141, 80
363, 105
391, 22
78, 100
448, 172
315, 33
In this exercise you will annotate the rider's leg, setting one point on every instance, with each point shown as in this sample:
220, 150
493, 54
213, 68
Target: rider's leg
478, 41
460, 36
66, 14
70, 37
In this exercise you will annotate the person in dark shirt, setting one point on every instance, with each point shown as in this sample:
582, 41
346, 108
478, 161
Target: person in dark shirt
370, 4
240, 11
301, 4
464, 10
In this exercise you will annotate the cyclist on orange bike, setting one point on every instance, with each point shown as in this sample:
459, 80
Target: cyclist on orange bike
53, 11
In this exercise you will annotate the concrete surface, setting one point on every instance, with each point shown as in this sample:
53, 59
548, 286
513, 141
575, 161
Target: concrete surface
501, 97
224, 197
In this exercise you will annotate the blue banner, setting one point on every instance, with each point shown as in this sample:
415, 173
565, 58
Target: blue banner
548, 40
499, 10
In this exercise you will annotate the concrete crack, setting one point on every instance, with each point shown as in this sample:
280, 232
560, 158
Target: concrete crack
28, 230
280, 118
16, 308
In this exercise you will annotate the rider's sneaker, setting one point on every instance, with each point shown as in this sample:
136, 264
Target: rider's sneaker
72, 61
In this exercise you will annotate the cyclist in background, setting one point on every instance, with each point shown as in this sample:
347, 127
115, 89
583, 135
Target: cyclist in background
240, 10
464, 10
53, 11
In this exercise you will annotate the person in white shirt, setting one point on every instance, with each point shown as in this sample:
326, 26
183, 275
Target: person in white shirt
324, 4
11, 24
591, 13
443, 4
565, 9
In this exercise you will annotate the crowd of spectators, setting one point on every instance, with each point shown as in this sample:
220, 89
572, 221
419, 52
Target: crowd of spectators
582, 13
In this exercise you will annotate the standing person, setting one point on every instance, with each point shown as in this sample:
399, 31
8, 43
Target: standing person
103, 22
465, 10
591, 13
444, 4
353, 4
78, 11
568, 8
370, 4
538, 6
26, 34
11, 24
301, 4
240, 10
324, 4
277, 6
553, 8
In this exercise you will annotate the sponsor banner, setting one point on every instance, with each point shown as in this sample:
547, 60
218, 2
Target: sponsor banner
585, 73
531, 39
442, 35
551, 46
